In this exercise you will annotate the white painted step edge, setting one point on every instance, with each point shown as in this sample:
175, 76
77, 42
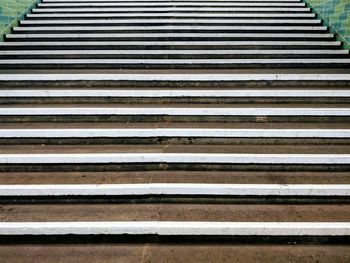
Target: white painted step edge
216, 158
178, 21
137, 1
171, 228
172, 43
175, 77
191, 93
175, 27
167, 111
176, 189
174, 14
168, 35
198, 61
178, 132
171, 4
172, 9
141, 62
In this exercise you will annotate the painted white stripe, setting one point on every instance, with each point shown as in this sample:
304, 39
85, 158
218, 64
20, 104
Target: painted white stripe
174, 77
217, 158
192, 93
176, 27
171, 9
158, 132
171, 14
175, 52
178, 111
170, 21
145, 4
170, 35
176, 189
141, 62
171, 43
171, 228
137, 1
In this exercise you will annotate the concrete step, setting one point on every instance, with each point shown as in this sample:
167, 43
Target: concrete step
176, 158
175, 189
207, 15
170, 36
156, 228
174, 63
171, 9
176, 93
175, 111
183, 252
203, 146
171, 4
166, 45
183, 176
193, 55
167, 29
235, 22
122, 1
176, 125
171, 114
170, 96
177, 212
175, 80
164, 132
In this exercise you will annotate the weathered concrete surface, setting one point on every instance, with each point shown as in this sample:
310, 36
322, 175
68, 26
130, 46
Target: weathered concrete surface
176, 212
148, 253
237, 177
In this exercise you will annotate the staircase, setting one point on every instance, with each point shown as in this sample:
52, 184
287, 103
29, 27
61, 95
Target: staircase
165, 34
182, 131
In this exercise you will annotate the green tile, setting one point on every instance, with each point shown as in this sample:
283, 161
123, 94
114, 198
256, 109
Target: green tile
336, 14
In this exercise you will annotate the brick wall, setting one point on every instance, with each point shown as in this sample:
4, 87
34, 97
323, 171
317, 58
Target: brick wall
336, 14
11, 11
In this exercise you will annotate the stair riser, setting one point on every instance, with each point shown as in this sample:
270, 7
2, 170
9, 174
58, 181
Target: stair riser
174, 141
227, 56
172, 100
86, 46
183, 119
188, 15
170, 5
227, 10
170, 167
173, 66
39, 82
184, 22
150, 31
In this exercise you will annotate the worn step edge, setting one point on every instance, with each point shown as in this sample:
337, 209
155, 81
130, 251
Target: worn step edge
172, 9
171, 4
173, 228
159, 132
126, 1
171, 35
80, 62
172, 43
176, 189
171, 20
174, 14
174, 77
46, 111
150, 28
98, 158
193, 93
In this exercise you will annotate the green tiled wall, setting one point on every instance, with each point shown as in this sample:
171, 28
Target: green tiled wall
336, 14
11, 11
